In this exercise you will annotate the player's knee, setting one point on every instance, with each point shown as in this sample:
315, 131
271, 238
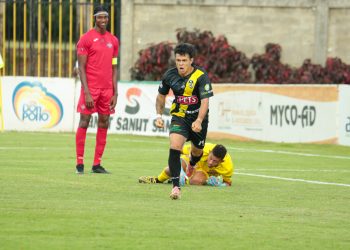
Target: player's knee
103, 124
84, 120
196, 151
84, 123
198, 178
167, 171
197, 181
103, 121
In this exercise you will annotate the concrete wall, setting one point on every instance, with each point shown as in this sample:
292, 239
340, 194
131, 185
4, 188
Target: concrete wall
304, 28
339, 34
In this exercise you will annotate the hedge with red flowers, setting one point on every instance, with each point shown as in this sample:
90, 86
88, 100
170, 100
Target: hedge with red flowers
153, 62
225, 64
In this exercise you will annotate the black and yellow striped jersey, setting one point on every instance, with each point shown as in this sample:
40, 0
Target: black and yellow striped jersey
188, 90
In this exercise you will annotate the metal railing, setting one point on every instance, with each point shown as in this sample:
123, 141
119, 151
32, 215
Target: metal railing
38, 38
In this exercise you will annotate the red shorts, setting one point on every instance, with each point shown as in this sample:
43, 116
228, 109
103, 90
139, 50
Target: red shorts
102, 100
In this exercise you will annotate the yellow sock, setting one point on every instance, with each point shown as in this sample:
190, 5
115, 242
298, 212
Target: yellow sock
163, 176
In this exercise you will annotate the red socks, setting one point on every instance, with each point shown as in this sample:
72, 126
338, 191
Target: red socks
80, 137
101, 137
80, 144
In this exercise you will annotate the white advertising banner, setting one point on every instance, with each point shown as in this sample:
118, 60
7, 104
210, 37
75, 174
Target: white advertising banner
277, 113
1, 109
293, 113
38, 104
135, 111
344, 115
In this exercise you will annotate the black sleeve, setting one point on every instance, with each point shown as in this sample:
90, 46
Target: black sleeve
205, 88
164, 87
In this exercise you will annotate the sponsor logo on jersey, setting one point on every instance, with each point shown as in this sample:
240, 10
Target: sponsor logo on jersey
188, 100
96, 39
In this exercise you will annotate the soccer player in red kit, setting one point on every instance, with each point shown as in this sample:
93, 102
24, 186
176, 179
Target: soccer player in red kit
97, 52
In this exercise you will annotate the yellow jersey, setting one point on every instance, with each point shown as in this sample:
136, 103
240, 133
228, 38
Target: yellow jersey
225, 168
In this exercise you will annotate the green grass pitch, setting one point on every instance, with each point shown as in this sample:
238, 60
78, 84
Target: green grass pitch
284, 196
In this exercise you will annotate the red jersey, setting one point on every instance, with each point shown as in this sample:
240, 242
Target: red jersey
100, 49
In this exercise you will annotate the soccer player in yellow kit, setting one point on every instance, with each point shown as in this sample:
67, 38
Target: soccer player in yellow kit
215, 168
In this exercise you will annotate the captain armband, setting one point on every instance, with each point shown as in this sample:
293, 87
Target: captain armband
114, 61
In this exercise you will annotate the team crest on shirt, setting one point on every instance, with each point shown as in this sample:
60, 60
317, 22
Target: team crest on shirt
206, 87
191, 84
109, 45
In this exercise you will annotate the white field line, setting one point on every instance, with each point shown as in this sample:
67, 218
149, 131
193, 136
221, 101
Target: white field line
292, 179
144, 150
290, 153
232, 148
255, 150
246, 150
293, 170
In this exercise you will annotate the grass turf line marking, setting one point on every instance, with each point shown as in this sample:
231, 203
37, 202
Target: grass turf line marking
292, 179
232, 148
293, 170
256, 150
290, 153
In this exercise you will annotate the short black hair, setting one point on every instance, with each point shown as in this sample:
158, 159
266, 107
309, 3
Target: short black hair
219, 151
185, 48
99, 8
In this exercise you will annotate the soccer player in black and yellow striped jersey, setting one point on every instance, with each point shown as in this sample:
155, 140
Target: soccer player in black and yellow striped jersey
192, 89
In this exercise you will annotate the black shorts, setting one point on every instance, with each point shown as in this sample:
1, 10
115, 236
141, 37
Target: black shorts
183, 126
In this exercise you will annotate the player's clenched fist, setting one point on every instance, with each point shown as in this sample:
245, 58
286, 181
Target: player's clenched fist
159, 122
197, 126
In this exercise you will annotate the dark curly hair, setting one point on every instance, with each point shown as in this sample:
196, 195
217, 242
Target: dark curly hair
185, 48
219, 151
